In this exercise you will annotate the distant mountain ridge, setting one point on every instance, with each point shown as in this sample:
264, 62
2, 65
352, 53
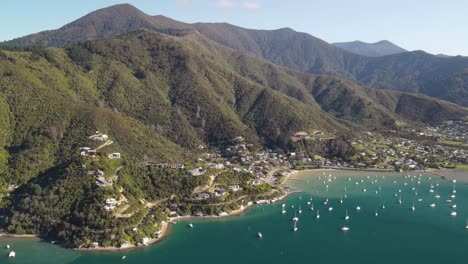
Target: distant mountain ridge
377, 49
417, 71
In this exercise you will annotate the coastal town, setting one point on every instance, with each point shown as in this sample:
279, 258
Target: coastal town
237, 175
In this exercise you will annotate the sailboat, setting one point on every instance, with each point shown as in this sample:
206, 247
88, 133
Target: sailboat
376, 213
466, 226
399, 200
312, 207
318, 214
300, 210
341, 199
454, 191
190, 225
124, 257
412, 207
295, 227
347, 216
383, 206
295, 218
259, 235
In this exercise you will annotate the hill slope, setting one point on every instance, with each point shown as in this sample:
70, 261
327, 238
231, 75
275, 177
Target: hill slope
381, 48
158, 97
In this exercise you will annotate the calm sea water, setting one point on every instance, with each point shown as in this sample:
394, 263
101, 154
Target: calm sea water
396, 235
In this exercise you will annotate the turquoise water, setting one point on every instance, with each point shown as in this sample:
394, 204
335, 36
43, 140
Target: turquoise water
396, 235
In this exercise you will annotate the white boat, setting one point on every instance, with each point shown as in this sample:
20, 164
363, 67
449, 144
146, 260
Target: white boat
466, 226
341, 199
283, 211
283, 205
190, 225
330, 209
347, 215
259, 235
124, 257
454, 206
318, 214
376, 213
7, 246
358, 208
399, 200
295, 218
437, 196
420, 200
300, 210
295, 227
383, 206
448, 201
325, 202
12, 254
452, 196
432, 205
345, 228
308, 203
453, 213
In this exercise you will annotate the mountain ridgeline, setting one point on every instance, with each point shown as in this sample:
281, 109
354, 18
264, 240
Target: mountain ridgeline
381, 48
417, 71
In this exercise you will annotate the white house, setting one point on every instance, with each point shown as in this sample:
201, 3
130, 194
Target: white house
234, 188
203, 196
115, 155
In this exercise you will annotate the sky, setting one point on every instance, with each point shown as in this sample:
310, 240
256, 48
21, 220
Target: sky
434, 26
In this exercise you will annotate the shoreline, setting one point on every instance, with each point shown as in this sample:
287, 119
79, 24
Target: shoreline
165, 230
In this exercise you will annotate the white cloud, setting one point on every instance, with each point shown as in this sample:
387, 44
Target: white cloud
225, 4
251, 5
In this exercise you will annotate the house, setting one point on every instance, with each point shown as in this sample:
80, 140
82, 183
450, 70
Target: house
220, 192
145, 241
158, 233
197, 172
256, 182
115, 155
234, 188
203, 196
99, 136
94, 245
125, 244
109, 204
218, 166
162, 165
177, 166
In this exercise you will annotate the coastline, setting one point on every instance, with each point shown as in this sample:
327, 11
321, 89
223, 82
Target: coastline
165, 230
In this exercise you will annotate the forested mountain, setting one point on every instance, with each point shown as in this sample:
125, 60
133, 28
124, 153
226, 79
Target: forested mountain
417, 71
179, 91
159, 89
377, 49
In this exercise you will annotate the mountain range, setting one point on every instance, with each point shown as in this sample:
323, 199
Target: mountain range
381, 48
160, 89
416, 71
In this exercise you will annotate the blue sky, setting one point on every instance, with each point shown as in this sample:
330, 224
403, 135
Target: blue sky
435, 26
